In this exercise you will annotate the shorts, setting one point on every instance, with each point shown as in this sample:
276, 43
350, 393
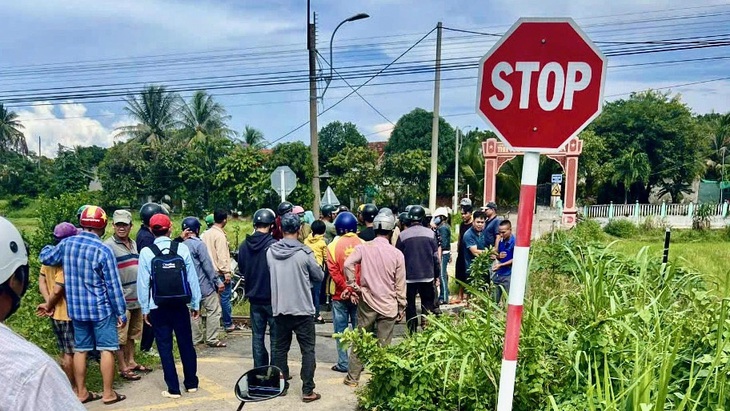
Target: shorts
132, 329
64, 331
100, 335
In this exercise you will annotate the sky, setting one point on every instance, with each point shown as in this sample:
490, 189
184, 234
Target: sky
67, 65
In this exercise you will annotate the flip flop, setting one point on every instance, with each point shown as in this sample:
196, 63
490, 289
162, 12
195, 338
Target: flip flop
119, 398
219, 344
142, 368
311, 399
129, 375
91, 397
338, 369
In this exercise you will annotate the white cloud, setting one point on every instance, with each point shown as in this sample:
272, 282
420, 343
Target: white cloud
382, 131
69, 128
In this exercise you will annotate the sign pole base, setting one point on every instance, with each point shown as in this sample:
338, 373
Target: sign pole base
525, 214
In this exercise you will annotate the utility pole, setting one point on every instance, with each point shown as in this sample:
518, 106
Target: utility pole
456, 170
435, 131
313, 137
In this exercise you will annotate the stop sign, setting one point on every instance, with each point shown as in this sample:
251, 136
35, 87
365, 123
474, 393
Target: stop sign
541, 84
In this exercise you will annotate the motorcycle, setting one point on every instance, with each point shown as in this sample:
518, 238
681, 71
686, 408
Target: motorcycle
238, 291
259, 384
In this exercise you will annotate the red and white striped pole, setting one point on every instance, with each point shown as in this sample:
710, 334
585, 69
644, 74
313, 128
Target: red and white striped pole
525, 212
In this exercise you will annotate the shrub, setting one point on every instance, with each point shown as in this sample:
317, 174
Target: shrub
621, 228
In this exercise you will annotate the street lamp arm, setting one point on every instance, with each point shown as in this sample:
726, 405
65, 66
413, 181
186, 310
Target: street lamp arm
358, 16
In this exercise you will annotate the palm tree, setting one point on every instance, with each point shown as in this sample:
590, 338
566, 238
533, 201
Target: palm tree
11, 136
155, 111
203, 117
630, 168
720, 142
253, 138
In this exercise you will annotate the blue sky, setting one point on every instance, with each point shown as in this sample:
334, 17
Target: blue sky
52, 44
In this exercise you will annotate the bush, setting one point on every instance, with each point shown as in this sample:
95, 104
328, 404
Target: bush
621, 228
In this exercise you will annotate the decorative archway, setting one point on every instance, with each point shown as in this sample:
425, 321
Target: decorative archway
496, 154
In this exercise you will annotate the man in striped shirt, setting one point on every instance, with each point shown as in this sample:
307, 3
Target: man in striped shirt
93, 295
125, 251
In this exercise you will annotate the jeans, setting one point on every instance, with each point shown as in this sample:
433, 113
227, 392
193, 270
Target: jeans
101, 334
316, 290
226, 306
500, 281
260, 316
303, 327
343, 313
166, 320
426, 291
444, 291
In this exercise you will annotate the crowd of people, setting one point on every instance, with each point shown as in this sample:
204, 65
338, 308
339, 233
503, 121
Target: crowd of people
368, 266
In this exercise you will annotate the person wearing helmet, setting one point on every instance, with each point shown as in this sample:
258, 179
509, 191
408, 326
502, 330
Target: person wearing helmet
125, 251
210, 286
209, 220
145, 238
328, 212
396, 229
316, 242
94, 297
380, 294
80, 210
420, 249
283, 208
255, 271
306, 228
368, 213
217, 242
466, 222
344, 312
440, 222
32, 379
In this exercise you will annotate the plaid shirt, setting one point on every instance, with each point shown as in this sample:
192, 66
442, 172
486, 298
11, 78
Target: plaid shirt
93, 289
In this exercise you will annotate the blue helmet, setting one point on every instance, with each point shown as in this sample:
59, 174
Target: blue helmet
346, 222
192, 224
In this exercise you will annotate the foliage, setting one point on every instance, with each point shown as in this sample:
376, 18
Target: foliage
253, 137
298, 157
155, 110
335, 137
243, 178
717, 128
479, 277
11, 132
203, 118
55, 210
702, 217
357, 170
621, 228
23, 175
406, 177
629, 169
74, 168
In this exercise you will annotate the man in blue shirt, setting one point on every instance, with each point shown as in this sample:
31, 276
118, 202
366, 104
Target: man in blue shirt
503, 266
167, 319
94, 297
475, 241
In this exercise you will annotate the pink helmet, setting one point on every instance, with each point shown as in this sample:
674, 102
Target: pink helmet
298, 210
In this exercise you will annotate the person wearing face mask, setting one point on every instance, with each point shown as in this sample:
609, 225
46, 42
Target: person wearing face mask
31, 379
441, 225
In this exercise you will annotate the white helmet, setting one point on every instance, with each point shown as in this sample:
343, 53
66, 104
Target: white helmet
13, 253
384, 222
386, 211
441, 211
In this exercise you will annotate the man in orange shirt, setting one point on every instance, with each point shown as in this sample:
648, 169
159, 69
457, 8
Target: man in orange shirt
344, 312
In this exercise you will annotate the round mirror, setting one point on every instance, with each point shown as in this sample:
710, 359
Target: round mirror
260, 384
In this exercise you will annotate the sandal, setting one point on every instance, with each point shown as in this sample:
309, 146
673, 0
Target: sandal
311, 397
129, 375
119, 398
91, 397
218, 344
142, 368
338, 369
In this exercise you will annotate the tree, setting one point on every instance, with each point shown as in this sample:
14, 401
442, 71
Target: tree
335, 137
155, 111
253, 138
717, 129
11, 136
121, 173
629, 169
471, 162
74, 168
406, 177
361, 171
243, 178
203, 117
297, 156
664, 129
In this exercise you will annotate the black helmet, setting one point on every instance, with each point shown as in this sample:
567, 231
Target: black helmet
284, 207
416, 213
369, 211
403, 217
342, 208
150, 209
327, 210
264, 216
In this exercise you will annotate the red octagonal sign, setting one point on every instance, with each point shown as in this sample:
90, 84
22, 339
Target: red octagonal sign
541, 84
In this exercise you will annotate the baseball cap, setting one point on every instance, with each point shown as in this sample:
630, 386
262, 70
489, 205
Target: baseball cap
64, 230
122, 216
290, 223
491, 205
160, 222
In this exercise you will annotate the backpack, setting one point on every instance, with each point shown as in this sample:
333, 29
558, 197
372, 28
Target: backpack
168, 277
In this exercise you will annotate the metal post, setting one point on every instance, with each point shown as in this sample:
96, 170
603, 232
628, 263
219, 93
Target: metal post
435, 128
610, 210
667, 234
283, 186
313, 137
516, 296
456, 169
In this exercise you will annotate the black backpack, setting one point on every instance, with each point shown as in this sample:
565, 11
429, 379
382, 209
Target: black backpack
168, 277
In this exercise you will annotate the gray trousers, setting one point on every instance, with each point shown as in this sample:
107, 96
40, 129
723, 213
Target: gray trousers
369, 319
212, 306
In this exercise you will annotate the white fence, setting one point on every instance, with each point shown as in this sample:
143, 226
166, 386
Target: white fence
676, 215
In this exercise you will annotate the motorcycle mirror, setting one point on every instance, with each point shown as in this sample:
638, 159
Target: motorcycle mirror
259, 384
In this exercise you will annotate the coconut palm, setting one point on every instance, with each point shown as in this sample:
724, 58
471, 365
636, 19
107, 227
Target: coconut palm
203, 117
630, 168
155, 111
11, 136
719, 145
253, 138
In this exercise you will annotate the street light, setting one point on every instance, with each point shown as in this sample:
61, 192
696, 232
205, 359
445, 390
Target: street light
358, 16
456, 166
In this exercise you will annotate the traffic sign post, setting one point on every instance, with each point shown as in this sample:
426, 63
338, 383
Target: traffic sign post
539, 86
283, 181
